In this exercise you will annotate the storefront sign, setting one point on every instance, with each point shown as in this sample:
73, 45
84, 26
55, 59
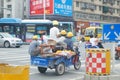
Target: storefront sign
63, 7
37, 7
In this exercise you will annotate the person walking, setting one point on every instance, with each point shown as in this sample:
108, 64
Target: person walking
54, 31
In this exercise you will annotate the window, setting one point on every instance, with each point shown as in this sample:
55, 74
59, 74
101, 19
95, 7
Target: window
8, 15
24, 8
118, 11
77, 4
8, 0
0, 29
100, 8
9, 6
105, 9
83, 5
104, 1
118, 2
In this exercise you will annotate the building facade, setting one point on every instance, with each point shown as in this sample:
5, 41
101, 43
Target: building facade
95, 12
1, 10
14, 8
102, 11
60, 10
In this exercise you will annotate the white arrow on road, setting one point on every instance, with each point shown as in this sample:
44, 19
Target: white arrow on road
117, 35
106, 35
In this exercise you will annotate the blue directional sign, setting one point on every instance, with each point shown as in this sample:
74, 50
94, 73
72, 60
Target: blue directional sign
63, 7
111, 32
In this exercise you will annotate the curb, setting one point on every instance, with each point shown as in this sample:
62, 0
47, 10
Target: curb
107, 77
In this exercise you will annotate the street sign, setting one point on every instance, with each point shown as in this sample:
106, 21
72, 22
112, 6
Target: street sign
111, 32
63, 7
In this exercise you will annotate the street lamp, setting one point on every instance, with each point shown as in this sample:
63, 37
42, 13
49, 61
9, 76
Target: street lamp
9, 9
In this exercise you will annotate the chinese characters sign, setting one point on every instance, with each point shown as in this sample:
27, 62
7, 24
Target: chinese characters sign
63, 7
37, 7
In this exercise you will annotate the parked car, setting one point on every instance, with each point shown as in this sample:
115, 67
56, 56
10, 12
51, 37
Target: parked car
7, 40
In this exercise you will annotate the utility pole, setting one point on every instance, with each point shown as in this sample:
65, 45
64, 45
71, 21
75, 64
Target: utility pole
44, 6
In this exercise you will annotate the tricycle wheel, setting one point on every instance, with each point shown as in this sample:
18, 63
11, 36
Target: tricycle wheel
42, 69
77, 65
60, 69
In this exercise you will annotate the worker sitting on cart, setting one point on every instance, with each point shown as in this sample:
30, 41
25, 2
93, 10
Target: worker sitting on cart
69, 41
47, 48
34, 48
60, 41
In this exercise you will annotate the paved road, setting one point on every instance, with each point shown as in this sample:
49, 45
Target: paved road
20, 56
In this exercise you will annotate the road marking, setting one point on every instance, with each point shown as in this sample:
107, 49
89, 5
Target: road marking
78, 78
17, 59
26, 61
13, 57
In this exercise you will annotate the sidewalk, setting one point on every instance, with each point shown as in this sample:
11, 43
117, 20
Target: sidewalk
108, 77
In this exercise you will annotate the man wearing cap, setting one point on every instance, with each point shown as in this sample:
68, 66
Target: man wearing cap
54, 31
34, 46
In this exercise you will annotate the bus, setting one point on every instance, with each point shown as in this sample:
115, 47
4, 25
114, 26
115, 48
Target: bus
25, 29
35, 27
11, 25
92, 30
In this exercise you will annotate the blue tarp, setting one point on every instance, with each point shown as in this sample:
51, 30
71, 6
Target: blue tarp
10, 20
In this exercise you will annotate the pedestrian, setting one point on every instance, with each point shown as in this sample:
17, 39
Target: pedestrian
34, 49
69, 41
100, 44
118, 44
88, 44
54, 31
94, 41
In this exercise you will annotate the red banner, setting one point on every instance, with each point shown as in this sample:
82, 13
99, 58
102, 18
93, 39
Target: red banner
37, 7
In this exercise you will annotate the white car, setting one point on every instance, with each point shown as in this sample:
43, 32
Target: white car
7, 40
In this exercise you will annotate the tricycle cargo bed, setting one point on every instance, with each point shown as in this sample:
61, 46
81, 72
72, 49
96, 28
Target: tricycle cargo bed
42, 61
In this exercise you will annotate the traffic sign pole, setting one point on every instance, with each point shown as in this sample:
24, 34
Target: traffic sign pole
113, 56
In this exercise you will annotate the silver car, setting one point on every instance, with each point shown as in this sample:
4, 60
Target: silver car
7, 40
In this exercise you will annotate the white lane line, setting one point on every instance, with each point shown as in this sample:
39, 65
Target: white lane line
13, 57
1, 55
78, 78
26, 61
33, 67
18, 59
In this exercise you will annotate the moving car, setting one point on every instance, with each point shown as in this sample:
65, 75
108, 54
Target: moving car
7, 40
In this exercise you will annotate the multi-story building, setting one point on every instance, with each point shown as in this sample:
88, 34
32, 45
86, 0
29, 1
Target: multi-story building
1, 10
101, 11
14, 8
95, 12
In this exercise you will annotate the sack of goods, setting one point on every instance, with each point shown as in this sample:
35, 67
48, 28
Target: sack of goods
67, 53
51, 42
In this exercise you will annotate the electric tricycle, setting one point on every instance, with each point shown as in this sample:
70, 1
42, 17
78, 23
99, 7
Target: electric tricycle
58, 61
